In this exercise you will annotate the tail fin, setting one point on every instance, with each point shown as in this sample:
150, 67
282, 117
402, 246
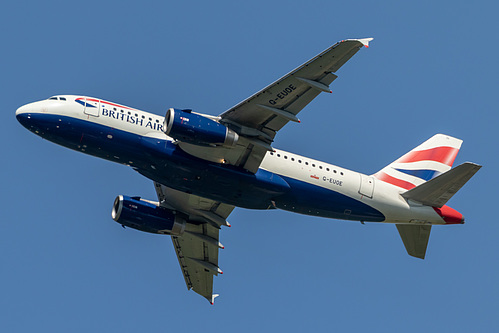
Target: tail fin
433, 157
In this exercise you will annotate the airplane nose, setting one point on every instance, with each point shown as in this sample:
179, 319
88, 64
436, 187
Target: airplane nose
21, 110
22, 115
25, 113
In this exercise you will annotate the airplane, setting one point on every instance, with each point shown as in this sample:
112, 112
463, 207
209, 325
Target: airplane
204, 166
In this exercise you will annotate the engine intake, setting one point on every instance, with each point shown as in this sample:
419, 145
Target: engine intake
197, 129
146, 216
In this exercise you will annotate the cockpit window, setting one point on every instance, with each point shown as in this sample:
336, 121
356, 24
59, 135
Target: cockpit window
53, 98
62, 98
57, 98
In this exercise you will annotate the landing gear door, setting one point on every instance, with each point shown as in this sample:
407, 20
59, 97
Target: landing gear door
366, 186
92, 107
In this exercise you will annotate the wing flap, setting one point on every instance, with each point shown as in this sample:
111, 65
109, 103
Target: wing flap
191, 251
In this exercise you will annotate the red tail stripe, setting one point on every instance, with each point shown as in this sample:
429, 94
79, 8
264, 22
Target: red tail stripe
445, 155
394, 181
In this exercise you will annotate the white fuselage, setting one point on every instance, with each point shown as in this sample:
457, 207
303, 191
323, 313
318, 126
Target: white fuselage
365, 190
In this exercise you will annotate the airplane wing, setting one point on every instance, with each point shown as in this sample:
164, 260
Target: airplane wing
258, 118
197, 248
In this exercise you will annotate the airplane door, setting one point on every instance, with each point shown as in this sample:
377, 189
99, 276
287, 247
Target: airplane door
92, 107
366, 186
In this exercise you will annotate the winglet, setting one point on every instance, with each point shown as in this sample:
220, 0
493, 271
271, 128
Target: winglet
212, 301
364, 41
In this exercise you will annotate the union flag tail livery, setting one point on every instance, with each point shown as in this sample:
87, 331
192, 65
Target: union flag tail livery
426, 175
203, 166
428, 160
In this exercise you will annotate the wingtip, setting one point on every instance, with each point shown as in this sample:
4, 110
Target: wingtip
364, 41
212, 301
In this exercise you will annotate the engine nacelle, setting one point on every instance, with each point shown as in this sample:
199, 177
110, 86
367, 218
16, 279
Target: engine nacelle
146, 216
196, 129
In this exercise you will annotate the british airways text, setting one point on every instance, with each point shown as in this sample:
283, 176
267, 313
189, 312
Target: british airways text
132, 119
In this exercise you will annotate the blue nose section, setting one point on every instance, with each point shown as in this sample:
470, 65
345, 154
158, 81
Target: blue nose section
29, 115
24, 118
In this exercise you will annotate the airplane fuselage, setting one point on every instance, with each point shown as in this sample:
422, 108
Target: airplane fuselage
284, 180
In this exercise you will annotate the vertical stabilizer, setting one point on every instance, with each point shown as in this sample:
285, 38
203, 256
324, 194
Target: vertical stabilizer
428, 160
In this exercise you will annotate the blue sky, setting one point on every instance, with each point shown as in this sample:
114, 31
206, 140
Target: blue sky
67, 266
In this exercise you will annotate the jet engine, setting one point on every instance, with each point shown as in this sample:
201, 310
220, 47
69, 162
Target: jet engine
196, 129
146, 216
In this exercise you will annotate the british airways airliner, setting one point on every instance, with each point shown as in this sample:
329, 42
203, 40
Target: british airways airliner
203, 166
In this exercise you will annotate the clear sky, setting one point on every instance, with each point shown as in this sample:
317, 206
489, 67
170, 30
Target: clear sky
66, 266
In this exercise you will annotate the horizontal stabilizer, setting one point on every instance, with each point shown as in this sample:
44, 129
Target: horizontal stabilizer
437, 191
415, 238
